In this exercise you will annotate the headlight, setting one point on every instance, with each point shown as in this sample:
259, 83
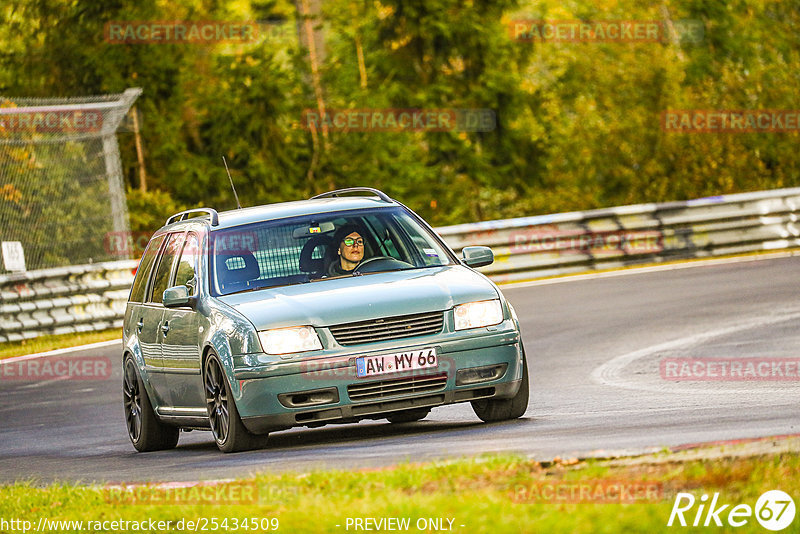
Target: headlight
478, 314
288, 340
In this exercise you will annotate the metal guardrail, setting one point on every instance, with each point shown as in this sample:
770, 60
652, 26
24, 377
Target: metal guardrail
63, 300
92, 297
547, 245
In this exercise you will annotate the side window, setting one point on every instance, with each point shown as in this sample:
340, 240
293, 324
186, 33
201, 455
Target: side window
186, 274
386, 242
161, 279
423, 244
143, 271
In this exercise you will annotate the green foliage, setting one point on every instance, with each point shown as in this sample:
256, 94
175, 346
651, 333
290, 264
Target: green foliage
578, 123
151, 209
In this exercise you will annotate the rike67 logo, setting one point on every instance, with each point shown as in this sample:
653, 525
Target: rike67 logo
774, 510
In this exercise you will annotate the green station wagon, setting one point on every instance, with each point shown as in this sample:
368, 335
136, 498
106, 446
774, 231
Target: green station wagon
344, 307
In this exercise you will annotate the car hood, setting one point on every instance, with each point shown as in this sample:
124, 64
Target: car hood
358, 298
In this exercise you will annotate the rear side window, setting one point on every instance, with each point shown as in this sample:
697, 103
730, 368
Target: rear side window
143, 271
186, 273
161, 279
380, 226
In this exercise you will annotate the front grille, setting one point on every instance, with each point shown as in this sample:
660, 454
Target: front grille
418, 324
393, 388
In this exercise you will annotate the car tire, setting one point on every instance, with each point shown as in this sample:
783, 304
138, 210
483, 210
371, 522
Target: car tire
408, 416
491, 410
146, 432
227, 428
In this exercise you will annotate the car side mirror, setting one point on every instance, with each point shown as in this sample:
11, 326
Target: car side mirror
477, 256
178, 296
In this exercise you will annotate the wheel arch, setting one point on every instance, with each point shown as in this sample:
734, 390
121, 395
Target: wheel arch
133, 350
221, 348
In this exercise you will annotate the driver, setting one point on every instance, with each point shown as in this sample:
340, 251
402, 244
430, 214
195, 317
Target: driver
350, 252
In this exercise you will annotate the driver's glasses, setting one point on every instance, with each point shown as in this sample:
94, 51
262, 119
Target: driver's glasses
349, 242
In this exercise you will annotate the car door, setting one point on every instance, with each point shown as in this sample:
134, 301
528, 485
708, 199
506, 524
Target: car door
135, 312
151, 320
180, 336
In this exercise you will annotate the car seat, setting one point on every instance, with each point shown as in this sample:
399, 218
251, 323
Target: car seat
236, 270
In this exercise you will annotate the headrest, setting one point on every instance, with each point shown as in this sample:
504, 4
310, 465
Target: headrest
309, 264
239, 266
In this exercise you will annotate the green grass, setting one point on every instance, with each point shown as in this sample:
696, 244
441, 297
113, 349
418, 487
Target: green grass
477, 493
45, 343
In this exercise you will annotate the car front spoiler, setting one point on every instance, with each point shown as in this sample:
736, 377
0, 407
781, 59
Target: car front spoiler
351, 413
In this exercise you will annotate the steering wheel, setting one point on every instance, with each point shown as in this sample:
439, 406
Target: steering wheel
381, 263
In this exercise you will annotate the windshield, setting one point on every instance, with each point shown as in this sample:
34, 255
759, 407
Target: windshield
318, 247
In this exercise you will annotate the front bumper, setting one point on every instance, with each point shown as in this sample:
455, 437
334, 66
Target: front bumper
329, 390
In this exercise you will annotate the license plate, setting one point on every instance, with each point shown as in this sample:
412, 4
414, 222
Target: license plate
397, 362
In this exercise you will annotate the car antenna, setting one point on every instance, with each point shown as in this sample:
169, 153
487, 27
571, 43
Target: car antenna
231, 180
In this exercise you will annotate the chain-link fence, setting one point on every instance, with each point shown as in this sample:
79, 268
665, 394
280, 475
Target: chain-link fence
61, 186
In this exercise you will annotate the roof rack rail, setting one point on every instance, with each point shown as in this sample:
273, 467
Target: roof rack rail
376, 192
211, 212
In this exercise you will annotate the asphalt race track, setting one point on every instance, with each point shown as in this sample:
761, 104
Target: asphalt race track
594, 347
